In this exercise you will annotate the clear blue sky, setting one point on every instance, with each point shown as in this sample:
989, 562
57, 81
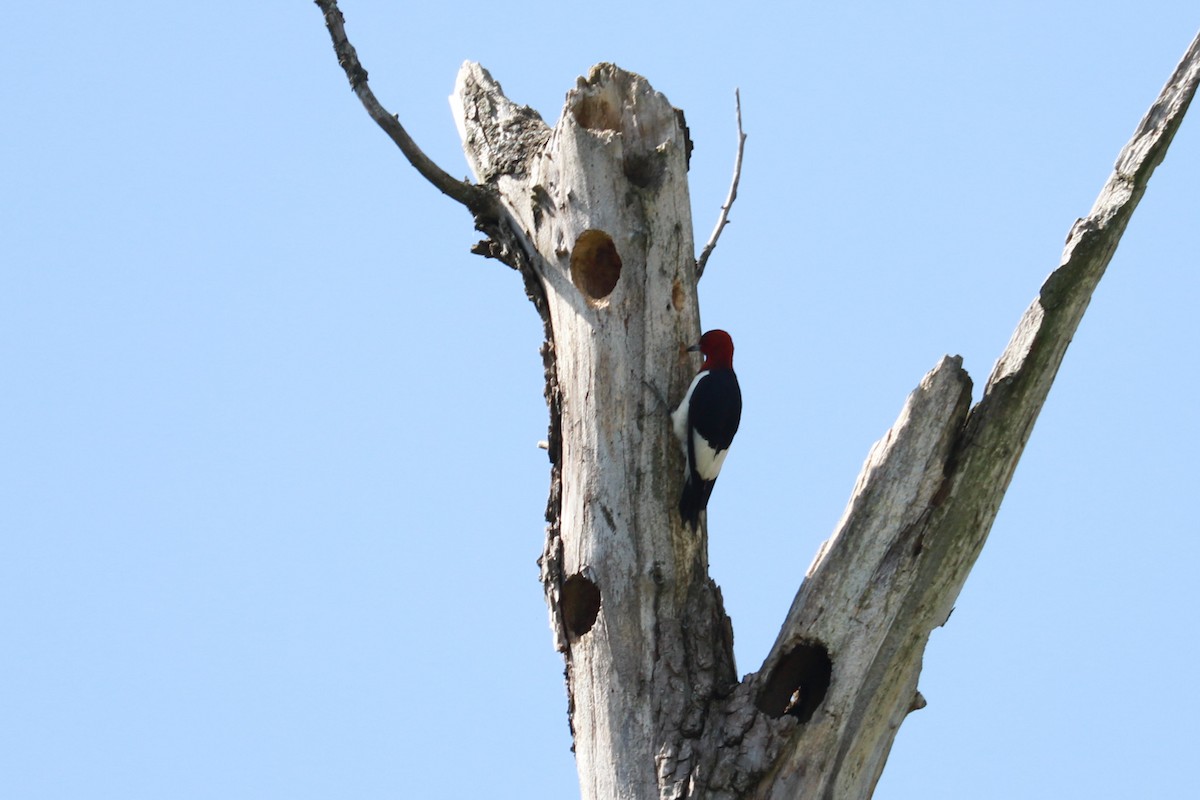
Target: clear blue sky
270, 500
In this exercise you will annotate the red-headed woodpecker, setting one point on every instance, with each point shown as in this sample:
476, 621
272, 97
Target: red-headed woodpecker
706, 421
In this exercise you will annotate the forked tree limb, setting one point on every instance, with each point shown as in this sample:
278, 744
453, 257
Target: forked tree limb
723, 219
921, 512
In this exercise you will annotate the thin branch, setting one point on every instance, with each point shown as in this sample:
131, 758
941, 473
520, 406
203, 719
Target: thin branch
470, 195
723, 220
1022, 376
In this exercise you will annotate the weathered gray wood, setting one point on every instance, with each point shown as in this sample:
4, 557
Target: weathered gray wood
603, 199
856, 594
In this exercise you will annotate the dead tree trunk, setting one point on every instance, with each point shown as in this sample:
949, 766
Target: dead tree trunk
595, 214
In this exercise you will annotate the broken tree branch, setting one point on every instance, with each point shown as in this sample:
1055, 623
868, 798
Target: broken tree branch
473, 197
723, 219
876, 591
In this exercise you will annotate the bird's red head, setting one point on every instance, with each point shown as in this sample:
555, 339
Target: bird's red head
717, 348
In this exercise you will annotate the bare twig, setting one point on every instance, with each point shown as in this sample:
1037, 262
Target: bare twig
723, 220
473, 197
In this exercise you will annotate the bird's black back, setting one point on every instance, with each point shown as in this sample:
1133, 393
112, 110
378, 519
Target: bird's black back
715, 409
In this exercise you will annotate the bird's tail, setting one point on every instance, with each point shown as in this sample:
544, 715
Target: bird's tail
694, 500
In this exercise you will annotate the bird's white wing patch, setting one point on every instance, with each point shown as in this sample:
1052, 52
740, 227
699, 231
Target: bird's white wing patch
679, 417
708, 460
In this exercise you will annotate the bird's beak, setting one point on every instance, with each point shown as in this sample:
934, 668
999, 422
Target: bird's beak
694, 348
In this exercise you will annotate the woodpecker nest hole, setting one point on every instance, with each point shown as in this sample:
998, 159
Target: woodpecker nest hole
599, 112
798, 683
580, 604
595, 265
